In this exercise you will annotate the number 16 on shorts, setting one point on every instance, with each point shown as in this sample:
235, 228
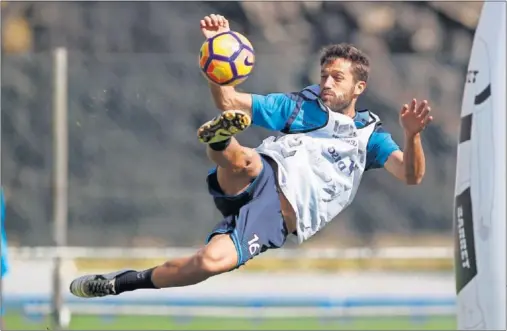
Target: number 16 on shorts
253, 245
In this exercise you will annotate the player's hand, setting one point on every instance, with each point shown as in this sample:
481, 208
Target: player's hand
214, 24
415, 117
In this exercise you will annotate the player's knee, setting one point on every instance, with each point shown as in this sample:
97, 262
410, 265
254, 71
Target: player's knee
214, 260
211, 263
237, 161
254, 166
250, 165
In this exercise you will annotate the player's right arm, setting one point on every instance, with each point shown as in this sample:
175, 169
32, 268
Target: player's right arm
224, 97
227, 98
270, 111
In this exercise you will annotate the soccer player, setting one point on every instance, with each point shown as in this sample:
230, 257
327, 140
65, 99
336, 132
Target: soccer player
3, 250
290, 186
3, 237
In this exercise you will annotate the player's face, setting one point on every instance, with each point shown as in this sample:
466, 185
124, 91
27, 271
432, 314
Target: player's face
338, 87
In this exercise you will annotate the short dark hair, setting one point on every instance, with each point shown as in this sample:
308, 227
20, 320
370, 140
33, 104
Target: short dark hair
360, 62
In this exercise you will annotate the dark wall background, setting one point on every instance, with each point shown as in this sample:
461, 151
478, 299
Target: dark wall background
136, 97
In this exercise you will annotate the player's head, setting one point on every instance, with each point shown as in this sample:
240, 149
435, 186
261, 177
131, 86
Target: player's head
344, 72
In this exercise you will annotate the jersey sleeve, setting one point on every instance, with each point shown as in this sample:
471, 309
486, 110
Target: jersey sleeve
272, 111
380, 146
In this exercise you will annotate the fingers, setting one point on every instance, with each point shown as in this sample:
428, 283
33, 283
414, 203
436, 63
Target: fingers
427, 120
424, 116
214, 21
208, 21
423, 113
412, 105
219, 20
404, 110
415, 117
422, 106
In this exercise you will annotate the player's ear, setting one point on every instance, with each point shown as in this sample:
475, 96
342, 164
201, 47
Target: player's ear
360, 87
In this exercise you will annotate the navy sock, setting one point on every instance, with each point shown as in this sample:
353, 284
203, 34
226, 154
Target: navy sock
134, 280
220, 146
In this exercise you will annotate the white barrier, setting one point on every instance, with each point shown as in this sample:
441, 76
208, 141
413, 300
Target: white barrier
361, 253
242, 293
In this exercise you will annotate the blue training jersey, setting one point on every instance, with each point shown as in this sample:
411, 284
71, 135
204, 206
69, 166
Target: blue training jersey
276, 111
3, 239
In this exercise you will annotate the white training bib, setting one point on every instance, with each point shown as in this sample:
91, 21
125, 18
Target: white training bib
319, 171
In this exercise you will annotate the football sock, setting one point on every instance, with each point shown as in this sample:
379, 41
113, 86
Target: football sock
221, 145
134, 280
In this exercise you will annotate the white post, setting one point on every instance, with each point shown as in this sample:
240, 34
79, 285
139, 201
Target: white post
60, 174
479, 215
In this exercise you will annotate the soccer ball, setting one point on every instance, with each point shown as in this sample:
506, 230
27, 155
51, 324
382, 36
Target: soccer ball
227, 59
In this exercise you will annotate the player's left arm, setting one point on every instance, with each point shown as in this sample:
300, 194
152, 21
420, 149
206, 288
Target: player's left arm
410, 165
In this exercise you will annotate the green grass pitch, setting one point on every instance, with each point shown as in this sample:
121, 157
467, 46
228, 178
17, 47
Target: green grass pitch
19, 322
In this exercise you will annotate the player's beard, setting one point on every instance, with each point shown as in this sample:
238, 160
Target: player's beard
340, 103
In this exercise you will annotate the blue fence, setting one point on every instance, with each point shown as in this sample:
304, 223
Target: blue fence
240, 302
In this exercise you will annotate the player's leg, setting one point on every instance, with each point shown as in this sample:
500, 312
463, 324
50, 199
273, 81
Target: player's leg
237, 165
218, 256
257, 227
259, 224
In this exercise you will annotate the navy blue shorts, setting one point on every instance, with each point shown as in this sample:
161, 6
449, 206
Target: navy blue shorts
253, 218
